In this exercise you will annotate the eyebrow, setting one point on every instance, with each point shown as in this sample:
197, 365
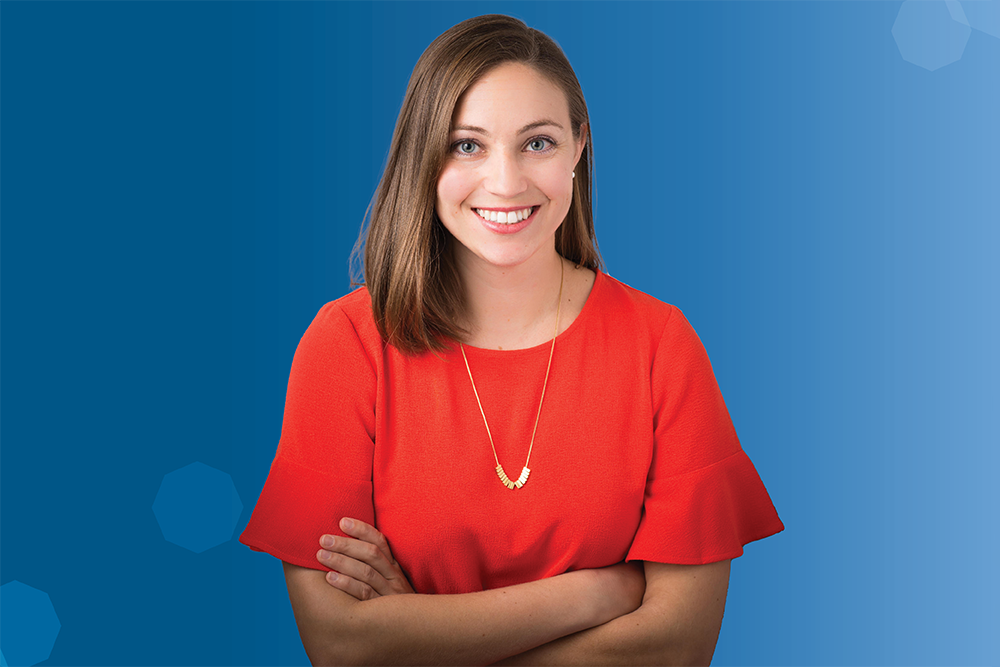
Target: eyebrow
526, 128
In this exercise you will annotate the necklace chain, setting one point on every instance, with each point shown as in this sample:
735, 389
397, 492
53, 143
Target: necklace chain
519, 482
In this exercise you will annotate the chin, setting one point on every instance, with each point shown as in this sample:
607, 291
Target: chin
504, 260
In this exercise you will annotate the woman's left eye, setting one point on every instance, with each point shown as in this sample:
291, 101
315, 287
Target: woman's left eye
542, 141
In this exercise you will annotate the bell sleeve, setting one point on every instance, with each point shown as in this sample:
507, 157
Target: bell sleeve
322, 470
703, 499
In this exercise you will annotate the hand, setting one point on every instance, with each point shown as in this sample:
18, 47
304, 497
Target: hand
364, 567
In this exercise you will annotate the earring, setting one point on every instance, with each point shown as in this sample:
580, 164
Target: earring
574, 174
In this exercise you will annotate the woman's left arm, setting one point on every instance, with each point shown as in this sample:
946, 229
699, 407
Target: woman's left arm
677, 624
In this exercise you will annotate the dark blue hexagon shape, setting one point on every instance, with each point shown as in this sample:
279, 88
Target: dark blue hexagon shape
984, 16
197, 507
931, 34
29, 624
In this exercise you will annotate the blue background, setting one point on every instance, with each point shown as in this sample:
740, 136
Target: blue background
182, 184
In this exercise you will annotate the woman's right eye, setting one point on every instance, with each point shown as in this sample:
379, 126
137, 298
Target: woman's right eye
465, 147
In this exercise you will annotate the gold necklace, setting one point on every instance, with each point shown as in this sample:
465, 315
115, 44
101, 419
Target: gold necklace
524, 471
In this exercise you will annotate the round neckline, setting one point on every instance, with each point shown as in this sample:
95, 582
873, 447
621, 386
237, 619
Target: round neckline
574, 325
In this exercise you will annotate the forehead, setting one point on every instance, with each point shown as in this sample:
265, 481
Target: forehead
509, 97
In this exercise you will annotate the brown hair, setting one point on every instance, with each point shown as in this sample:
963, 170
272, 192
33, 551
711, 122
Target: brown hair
409, 270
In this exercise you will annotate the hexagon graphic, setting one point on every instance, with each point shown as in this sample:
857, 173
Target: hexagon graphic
29, 623
197, 507
930, 33
984, 15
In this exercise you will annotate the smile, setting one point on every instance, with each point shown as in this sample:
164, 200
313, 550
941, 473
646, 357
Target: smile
505, 217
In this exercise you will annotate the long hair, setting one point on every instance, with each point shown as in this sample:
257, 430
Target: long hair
408, 268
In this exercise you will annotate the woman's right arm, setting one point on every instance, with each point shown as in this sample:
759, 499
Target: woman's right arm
465, 629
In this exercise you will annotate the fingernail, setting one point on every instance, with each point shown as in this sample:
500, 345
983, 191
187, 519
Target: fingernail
331, 576
327, 541
346, 524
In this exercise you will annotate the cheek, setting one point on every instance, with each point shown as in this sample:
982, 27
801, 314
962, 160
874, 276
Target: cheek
453, 188
558, 188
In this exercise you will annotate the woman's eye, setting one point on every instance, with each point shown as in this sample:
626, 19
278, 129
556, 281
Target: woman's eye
538, 145
465, 147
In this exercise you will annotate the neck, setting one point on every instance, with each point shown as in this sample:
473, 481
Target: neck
511, 307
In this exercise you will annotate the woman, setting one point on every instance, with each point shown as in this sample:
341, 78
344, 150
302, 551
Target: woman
540, 450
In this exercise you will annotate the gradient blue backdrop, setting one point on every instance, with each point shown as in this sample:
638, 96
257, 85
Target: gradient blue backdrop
182, 184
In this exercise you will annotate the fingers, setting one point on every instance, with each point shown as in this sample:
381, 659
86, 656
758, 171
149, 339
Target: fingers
351, 586
364, 560
352, 567
367, 533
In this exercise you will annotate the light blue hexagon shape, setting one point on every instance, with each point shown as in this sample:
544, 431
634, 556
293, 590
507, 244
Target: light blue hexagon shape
984, 15
197, 507
931, 33
29, 624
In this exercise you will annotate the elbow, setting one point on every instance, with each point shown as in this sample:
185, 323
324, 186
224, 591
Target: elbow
342, 643
697, 661
659, 650
666, 643
335, 628
335, 653
690, 653
676, 657
327, 652
678, 651
672, 654
336, 657
331, 654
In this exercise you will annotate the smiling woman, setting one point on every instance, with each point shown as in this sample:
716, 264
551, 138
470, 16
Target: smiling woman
496, 167
507, 170
486, 335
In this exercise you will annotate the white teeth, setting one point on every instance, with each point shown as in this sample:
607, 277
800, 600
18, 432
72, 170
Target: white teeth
504, 218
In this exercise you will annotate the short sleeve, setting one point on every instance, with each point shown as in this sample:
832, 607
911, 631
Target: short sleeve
704, 499
322, 470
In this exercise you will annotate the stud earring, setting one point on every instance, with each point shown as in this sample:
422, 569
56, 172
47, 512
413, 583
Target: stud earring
574, 174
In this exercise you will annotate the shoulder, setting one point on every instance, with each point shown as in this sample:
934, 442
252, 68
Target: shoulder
632, 307
353, 311
660, 326
344, 324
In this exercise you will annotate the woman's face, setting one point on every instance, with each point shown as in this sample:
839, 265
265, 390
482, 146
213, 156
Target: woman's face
512, 148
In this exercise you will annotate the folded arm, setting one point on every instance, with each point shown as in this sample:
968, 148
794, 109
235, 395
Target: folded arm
467, 629
579, 617
678, 623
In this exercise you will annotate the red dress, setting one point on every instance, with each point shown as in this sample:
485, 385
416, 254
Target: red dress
635, 456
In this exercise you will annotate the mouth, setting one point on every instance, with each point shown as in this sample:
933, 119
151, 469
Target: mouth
506, 216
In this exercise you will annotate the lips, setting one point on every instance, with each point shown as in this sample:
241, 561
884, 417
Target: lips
505, 215
507, 227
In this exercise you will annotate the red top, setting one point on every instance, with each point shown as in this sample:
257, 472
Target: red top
635, 456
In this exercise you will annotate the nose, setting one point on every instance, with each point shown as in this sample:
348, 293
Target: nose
504, 176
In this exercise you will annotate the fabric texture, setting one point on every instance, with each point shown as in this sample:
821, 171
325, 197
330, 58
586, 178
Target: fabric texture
635, 456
